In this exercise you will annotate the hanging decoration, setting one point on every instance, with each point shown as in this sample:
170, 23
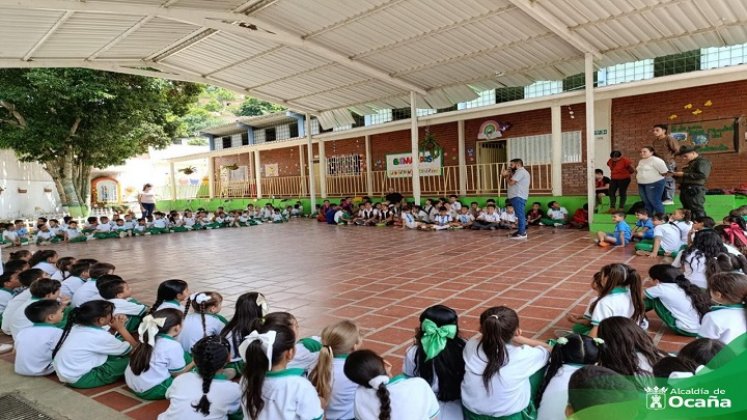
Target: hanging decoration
231, 167
571, 113
188, 170
430, 144
492, 129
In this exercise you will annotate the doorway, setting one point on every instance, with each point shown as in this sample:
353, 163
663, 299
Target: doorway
491, 157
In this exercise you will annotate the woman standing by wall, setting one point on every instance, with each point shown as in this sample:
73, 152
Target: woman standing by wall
147, 200
620, 170
650, 174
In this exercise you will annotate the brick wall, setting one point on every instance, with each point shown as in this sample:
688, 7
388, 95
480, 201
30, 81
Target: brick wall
633, 118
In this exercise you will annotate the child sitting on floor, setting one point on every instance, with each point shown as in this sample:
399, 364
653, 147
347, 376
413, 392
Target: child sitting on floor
644, 227
678, 303
593, 389
78, 275
699, 224
620, 237
26, 278
667, 239
682, 218
250, 308
104, 230
442, 221
489, 219
699, 260
205, 320
88, 291
508, 218
410, 218
628, 350
465, 218
10, 235
498, 366
726, 320
159, 358
580, 219
556, 215
171, 294
41, 289
117, 291
34, 345
88, 355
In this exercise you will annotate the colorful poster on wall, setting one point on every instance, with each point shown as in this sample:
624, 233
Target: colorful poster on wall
711, 136
399, 165
272, 169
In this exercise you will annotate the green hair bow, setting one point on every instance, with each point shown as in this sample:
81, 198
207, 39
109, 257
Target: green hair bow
434, 337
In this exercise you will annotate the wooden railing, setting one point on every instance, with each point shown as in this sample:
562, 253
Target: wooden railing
236, 189
285, 186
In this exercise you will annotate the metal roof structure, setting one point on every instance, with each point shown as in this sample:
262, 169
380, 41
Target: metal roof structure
258, 121
328, 57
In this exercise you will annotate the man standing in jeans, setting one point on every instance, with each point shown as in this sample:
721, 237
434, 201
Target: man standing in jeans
518, 180
666, 147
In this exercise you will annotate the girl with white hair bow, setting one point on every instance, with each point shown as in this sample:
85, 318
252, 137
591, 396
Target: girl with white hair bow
272, 391
159, 358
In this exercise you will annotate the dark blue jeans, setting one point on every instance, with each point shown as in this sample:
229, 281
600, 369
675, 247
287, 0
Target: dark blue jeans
651, 195
520, 205
148, 209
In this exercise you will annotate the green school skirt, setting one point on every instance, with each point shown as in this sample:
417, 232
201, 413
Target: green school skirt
551, 222
106, 374
158, 392
582, 329
647, 245
81, 238
665, 315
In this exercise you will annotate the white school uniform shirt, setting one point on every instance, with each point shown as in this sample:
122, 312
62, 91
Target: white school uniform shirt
139, 228
456, 205
59, 275
490, 218
11, 236
127, 307
305, 359
558, 214
5, 296
129, 224
34, 348
555, 397
167, 357
671, 239
48, 235
70, 285
685, 228
409, 220
288, 396
617, 303
19, 321
12, 307
72, 233
448, 409
411, 398
160, 223
190, 221
724, 323
46, 267
509, 217
509, 391
173, 304
422, 216
104, 227
465, 218
694, 268
84, 349
55, 230
86, 293
442, 220
192, 329
679, 304
186, 391
341, 399
338, 216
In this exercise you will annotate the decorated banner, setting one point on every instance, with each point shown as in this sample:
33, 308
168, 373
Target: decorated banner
399, 165
711, 136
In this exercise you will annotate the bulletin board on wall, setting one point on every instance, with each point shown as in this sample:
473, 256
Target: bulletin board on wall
722, 135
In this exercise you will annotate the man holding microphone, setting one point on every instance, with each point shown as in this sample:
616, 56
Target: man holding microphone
517, 179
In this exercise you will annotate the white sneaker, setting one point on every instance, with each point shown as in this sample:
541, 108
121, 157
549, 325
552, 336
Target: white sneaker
668, 202
5, 348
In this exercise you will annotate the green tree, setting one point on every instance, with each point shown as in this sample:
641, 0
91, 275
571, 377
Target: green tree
197, 119
253, 106
74, 120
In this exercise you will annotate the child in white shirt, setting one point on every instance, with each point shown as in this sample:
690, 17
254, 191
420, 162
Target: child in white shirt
726, 321
628, 349
678, 303
34, 345
489, 219
88, 291
45, 260
569, 354
698, 261
159, 358
11, 236
79, 274
40, 289
88, 355
63, 265
72, 234
26, 278
285, 393
667, 239
117, 291
556, 215
498, 365
171, 294
205, 320
682, 218
509, 218
44, 235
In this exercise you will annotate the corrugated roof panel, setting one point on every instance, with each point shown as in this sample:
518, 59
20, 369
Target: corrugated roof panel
21, 29
280, 63
325, 78
218, 51
351, 95
84, 33
150, 38
209, 4
305, 17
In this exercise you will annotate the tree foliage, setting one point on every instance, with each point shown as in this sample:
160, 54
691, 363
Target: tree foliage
72, 120
253, 106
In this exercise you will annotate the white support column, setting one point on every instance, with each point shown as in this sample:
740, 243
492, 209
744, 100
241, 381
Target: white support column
414, 146
590, 185
310, 159
369, 170
301, 172
462, 159
172, 180
557, 151
257, 174
211, 177
322, 170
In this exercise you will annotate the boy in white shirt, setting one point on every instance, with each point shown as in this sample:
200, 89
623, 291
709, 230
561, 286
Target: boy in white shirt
34, 345
465, 218
45, 236
667, 239
489, 219
55, 228
556, 215
89, 290
454, 202
40, 289
509, 218
71, 234
11, 236
117, 291
104, 230
25, 278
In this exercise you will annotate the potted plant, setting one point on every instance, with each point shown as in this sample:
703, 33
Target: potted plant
22, 190
430, 144
231, 167
189, 170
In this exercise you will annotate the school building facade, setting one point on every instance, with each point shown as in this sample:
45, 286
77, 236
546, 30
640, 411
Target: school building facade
268, 156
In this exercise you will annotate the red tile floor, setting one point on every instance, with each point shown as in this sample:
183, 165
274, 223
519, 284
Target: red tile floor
380, 277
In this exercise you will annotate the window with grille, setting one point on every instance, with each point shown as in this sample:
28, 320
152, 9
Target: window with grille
484, 98
401, 114
626, 72
712, 58
677, 63
270, 134
244, 139
381, 117
543, 88
226, 142
344, 165
537, 150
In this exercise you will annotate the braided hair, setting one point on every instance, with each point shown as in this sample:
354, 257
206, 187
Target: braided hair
202, 308
169, 290
86, 314
363, 365
210, 355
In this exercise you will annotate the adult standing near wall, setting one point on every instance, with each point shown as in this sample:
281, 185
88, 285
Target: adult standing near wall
518, 180
666, 147
692, 180
650, 174
621, 168
147, 200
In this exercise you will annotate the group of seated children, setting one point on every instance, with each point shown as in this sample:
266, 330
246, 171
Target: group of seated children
442, 214
77, 319
52, 231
